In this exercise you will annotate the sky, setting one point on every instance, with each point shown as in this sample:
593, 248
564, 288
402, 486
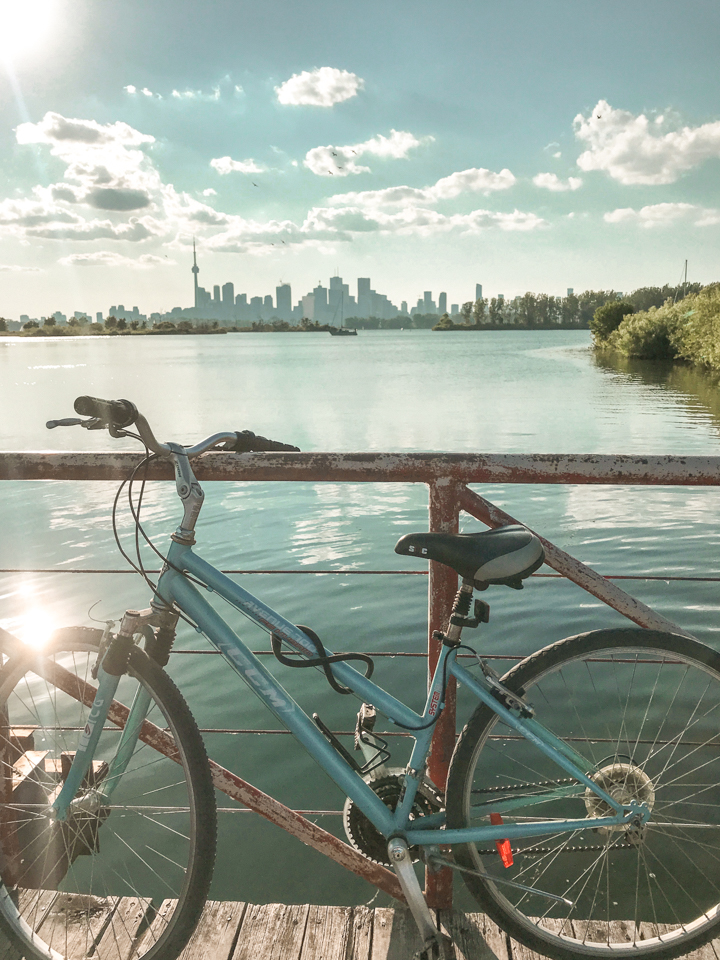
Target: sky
524, 144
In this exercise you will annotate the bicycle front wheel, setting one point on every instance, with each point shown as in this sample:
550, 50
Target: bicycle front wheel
643, 708
125, 876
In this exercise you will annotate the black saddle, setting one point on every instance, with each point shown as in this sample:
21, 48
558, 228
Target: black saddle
503, 556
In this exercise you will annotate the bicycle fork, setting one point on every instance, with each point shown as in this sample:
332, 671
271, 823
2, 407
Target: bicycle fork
111, 669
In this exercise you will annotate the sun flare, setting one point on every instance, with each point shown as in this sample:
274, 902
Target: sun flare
24, 26
35, 628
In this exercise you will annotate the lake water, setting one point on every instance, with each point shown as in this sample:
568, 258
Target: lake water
490, 392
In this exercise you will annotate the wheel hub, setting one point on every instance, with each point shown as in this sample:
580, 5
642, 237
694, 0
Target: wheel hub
624, 782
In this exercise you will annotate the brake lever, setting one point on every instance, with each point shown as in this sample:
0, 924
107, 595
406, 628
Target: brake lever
91, 424
67, 422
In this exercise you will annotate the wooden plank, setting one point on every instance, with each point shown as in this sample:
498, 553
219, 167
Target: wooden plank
75, 922
214, 937
337, 933
395, 934
26, 766
476, 937
272, 931
521, 952
120, 935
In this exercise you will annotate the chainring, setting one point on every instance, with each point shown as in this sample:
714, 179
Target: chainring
365, 837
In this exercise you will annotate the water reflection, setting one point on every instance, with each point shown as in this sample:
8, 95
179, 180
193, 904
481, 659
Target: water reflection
697, 390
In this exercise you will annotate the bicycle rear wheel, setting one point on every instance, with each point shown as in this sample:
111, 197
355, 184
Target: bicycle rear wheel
127, 877
644, 708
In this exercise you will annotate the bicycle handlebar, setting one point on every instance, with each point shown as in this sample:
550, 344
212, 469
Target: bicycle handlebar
120, 414
115, 413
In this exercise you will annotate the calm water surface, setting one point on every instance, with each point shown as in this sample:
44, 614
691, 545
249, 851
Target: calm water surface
493, 392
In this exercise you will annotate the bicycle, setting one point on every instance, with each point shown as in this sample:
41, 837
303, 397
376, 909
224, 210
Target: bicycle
596, 839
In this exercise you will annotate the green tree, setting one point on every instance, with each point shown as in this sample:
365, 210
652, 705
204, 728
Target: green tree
444, 323
496, 310
466, 312
48, 321
479, 309
165, 325
3, 325
527, 309
570, 309
122, 324
73, 322
185, 326
111, 323
608, 318
134, 324
31, 325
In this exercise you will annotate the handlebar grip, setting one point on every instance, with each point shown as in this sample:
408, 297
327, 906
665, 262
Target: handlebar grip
116, 413
248, 442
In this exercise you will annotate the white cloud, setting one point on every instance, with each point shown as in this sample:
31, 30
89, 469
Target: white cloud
225, 165
16, 268
474, 180
199, 95
632, 150
342, 161
134, 230
108, 168
106, 258
413, 220
550, 181
662, 214
322, 87
133, 91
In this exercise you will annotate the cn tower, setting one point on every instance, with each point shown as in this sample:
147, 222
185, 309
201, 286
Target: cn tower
196, 271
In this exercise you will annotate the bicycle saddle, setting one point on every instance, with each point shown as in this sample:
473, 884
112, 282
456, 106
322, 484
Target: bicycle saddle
503, 556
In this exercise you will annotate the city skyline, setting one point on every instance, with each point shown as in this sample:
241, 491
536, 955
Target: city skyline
533, 145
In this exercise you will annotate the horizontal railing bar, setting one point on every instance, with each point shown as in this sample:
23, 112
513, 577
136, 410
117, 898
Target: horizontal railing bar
385, 573
303, 813
380, 573
377, 467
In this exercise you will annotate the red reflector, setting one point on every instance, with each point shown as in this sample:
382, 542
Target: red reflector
503, 846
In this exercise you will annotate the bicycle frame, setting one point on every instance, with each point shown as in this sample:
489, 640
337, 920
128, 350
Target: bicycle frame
176, 588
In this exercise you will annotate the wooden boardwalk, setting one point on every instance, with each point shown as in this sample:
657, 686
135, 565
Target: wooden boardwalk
277, 931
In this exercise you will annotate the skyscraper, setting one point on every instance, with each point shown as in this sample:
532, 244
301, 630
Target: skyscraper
442, 303
228, 294
478, 291
283, 298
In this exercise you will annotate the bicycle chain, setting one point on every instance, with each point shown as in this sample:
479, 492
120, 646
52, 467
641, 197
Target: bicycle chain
514, 788
540, 851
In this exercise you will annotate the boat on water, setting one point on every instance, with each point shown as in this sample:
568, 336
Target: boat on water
342, 331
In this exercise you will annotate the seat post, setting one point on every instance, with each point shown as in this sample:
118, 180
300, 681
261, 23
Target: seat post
460, 610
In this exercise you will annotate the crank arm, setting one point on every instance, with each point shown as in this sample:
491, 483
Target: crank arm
442, 862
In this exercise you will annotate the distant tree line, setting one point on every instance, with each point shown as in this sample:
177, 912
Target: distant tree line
543, 310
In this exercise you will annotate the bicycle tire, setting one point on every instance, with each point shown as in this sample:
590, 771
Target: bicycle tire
643, 706
131, 878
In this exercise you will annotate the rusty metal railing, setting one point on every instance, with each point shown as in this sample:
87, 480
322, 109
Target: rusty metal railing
447, 477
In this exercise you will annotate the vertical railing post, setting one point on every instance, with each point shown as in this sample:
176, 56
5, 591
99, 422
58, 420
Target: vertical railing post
442, 587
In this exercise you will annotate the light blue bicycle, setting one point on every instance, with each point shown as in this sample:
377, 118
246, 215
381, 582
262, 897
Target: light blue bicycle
582, 806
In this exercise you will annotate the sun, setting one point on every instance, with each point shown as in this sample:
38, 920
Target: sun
24, 25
